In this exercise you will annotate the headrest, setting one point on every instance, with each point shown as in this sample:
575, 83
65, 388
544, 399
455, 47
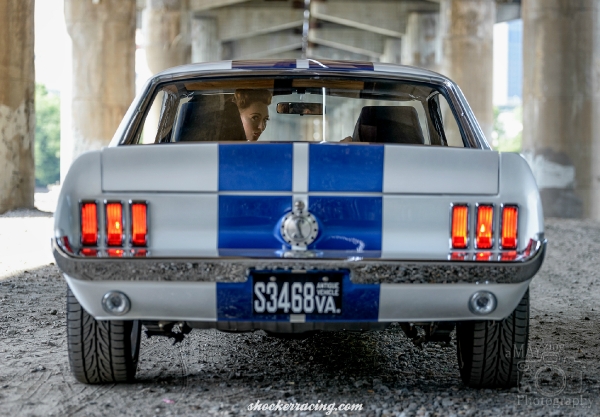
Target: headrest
388, 124
209, 120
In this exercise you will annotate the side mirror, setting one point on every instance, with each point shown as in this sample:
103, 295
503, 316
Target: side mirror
315, 109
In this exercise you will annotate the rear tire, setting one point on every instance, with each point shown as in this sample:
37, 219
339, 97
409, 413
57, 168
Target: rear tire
489, 352
101, 351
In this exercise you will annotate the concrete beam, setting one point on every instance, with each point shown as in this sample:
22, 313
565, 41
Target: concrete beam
165, 25
347, 39
561, 104
103, 65
392, 51
206, 45
325, 52
507, 11
467, 36
17, 110
203, 5
383, 17
421, 46
262, 46
245, 22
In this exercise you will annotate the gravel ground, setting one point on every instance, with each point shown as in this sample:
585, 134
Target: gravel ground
214, 373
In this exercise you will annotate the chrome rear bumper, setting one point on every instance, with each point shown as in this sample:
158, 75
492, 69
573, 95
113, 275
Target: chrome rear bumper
362, 270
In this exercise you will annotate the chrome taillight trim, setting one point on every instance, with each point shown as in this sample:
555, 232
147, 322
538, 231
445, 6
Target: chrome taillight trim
502, 207
130, 235
476, 220
123, 224
452, 205
81, 203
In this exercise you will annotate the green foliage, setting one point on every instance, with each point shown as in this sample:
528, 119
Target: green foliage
47, 137
508, 129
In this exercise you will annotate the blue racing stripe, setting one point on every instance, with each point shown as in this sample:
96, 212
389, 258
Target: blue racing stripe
249, 222
339, 167
264, 64
326, 64
255, 167
360, 302
347, 223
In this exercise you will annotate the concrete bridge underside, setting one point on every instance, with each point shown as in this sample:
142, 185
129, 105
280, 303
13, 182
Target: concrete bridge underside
454, 37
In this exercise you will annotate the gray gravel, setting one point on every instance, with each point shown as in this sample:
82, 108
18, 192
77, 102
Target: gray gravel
214, 373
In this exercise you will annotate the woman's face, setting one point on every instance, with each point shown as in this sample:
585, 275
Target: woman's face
254, 119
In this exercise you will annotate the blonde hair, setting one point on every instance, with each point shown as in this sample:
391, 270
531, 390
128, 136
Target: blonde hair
244, 98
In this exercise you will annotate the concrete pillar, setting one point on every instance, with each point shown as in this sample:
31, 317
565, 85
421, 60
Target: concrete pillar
206, 45
17, 112
561, 103
467, 36
421, 46
103, 64
392, 51
165, 25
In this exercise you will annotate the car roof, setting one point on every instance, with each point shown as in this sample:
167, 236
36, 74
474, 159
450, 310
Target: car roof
297, 65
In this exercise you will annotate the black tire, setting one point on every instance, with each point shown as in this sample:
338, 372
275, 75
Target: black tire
489, 352
101, 351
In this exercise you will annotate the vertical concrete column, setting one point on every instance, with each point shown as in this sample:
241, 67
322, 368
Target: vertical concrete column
421, 46
103, 86
392, 51
206, 45
561, 103
165, 25
467, 36
17, 112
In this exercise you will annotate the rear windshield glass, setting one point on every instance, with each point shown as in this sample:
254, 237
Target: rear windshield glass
307, 109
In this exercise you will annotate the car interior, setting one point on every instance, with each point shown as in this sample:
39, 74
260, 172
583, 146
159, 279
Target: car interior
305, 109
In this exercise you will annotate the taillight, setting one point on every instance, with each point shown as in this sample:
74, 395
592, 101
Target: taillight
115, 253
510, 221
139, 226
485, 218
89, 224
483, 256
460, 229
114, 224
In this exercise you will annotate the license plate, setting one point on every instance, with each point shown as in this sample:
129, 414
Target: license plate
307, 292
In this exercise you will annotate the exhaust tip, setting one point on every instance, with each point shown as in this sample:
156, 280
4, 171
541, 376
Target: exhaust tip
116, 303
482, 303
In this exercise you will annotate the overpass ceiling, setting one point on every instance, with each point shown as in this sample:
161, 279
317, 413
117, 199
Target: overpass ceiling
347, 29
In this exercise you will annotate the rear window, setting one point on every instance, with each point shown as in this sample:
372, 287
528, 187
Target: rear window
300, 109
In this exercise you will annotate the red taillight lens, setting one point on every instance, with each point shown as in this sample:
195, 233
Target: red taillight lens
485, 218
509, 256
510, 221
139, 225
89, 224
114, 224
460, 230
88, 252
483, 256
115, 253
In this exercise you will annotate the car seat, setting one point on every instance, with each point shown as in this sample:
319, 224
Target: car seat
209, 118
388, 124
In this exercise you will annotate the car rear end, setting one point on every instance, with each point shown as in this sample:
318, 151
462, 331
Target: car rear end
345, 217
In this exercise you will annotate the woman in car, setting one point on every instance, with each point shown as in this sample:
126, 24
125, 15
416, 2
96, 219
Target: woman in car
254, 111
